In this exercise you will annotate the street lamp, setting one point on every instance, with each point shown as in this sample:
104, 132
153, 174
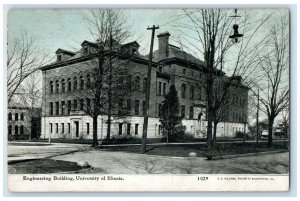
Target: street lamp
236, 35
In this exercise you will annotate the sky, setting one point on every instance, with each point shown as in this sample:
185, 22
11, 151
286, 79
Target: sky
55, 28
66, 29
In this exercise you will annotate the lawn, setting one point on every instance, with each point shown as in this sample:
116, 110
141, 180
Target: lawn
43, 166
183, 150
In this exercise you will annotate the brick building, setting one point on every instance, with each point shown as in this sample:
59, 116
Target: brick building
23, 123
64, 116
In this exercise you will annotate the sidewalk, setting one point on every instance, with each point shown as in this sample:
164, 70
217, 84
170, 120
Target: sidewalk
105, 162
23, 151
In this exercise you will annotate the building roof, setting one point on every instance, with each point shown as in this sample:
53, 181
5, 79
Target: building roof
59, 50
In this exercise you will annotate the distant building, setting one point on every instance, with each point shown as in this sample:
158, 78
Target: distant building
23, 123
63, 115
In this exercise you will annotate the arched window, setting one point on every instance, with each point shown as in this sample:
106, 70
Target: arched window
63, 85
57, 86
192, 91
137, 83
51, 87
75, 83
16, 130
22, 130
69, 84
9, 116
22, 117
16, 117
183, 91
81, 82
9, 129
145, 84
88, 80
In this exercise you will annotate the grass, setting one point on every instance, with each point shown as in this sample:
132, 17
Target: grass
183, 150
43, 166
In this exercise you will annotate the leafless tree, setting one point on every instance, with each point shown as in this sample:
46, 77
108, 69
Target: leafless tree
274, 66
109, 28
24, 57
206, 34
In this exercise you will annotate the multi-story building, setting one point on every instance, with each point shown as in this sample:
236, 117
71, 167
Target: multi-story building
64, 115
23, 123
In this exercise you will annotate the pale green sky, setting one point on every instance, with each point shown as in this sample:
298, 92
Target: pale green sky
66, 29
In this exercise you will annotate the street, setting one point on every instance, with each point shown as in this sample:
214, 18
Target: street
105, 162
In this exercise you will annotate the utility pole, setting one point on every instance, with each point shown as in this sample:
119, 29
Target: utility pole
257, 115
145, 128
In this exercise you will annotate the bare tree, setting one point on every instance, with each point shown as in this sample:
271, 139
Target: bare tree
207, 36
274, 65
24, 57
109, 29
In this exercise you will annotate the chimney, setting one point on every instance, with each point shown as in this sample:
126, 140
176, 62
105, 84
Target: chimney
163, 44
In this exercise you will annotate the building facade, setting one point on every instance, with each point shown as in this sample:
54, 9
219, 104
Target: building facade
65, 116
23, 123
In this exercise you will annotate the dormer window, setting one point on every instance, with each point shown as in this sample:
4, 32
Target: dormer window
59, 57
160, 69
184, 71
85, 50
133, 51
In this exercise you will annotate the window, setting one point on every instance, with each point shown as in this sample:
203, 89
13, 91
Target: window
128, 129
192, 91
81, 82
160, 69
136, 107
16, 117
22, 117
129, 106
56, 124
87, 128
191, 112
182, 111
69, 106
120, 108
159, 88
9, 116
88, 103
51, 87
69, 84
75, 84
57, 86
57, 108
9, 129
75, 104
16, 130
63, 85
183, 90
85, 50
145, 85
51, 127
184, 71
69, 128
160, 130
51, 108
120, 128
88, 80
137, 83
58, 57
81, 104
62, 128
136, 131
129, 82
63, 107
164, 89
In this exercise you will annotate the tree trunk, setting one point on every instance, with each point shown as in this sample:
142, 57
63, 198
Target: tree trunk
270, 136
95, 125
215, 133
209, 116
